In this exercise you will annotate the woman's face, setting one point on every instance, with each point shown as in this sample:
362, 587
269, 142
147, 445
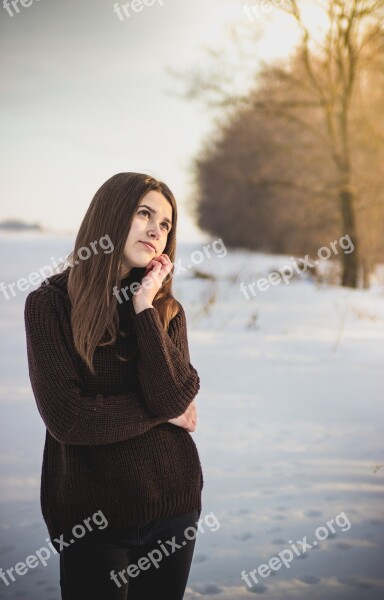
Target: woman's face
151, 223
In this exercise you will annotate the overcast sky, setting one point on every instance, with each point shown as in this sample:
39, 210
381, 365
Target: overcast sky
85, 95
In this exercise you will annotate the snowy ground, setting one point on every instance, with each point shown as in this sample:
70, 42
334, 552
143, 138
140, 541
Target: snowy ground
290, 430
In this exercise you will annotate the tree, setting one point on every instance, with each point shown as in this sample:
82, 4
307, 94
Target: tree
331, 75
318, 89
258, 189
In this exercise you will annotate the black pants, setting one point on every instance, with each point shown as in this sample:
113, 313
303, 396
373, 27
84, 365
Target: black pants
141, 562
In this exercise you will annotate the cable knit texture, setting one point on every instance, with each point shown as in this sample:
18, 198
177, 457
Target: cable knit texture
108, 443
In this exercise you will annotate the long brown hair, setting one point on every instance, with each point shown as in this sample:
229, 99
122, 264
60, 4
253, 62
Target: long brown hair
94, 313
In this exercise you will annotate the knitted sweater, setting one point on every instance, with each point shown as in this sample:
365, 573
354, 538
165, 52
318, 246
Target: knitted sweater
108, 443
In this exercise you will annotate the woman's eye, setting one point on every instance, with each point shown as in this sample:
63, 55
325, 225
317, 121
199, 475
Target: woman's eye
144, 210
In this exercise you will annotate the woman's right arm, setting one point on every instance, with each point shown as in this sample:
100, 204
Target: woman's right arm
70, 416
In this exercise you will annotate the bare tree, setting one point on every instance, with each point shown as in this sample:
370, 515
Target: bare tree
257, 186
332, 78
325, 80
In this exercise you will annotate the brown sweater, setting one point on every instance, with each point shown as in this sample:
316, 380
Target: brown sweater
108, 443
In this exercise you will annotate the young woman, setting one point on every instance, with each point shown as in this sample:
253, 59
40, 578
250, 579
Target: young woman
110, 370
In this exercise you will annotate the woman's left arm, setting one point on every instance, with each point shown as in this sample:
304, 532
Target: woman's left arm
168, 380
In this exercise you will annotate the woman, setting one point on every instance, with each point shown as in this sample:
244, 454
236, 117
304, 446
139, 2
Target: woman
110, 371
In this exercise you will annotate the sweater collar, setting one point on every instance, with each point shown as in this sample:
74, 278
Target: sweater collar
59, 281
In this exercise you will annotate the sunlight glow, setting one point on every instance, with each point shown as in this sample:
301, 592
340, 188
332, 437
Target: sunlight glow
280, 31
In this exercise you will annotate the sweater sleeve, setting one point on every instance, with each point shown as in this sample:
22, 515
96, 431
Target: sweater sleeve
70, 416
166, 354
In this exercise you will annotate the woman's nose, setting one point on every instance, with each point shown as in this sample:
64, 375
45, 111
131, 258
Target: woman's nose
155, 230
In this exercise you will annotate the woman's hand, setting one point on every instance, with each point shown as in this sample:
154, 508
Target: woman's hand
188, 419
157, 270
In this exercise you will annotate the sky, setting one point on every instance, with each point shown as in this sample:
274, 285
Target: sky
85, 94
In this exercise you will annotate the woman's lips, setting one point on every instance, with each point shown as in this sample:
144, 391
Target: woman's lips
148, 246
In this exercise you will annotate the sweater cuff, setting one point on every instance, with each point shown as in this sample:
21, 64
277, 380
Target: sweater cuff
146, 320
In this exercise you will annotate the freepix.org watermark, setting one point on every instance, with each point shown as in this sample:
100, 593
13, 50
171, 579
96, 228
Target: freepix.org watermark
16, 5
126, 10
43, 554
196, 258
286, 273
154, 557
24, 283
256, 11
286, 556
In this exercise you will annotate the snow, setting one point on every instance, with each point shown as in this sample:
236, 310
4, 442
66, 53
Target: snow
289, 433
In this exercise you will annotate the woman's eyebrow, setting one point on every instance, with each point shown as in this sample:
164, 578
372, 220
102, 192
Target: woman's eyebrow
155, 211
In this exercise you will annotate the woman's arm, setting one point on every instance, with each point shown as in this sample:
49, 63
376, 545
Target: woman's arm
70, 417
167, 378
